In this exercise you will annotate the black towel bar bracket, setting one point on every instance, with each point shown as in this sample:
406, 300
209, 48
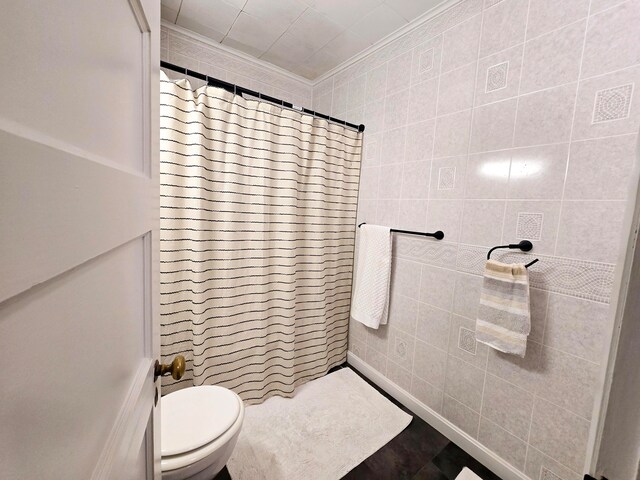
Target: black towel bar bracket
524, 245
438, 235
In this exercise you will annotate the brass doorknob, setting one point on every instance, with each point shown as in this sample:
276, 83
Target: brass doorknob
175, 368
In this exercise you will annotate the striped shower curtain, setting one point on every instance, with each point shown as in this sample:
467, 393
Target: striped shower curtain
258, 208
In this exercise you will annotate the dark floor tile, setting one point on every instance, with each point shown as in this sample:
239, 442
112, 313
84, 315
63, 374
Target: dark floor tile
223, 475
337, 367
429, 472
452, 459
361, 472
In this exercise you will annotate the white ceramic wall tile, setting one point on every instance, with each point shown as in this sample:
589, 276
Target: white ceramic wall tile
403, 313
608, 97
584, 180
522, 372
538, 301
576, 326
448, 177
419, 143
462, 343
464, 383
493, 126
445, 215
542, 467
488, 175
411, 214
545, 117
487, 231
433, 326
548, 15
339, 105
507, 406
568, 381
460, 44
398, 375
401, 348
503, 26
538, 172
579, 223
399, 72
436, 287
395, 110
356, 92
374, 116
429, 364
532, 220
456, 89
452, 134
567, 444
406, 277
509, 447
415, 179
378, 339
393, 143
426, 60
377, 83
499, 76
461, 416
608, 46
564, 47
423, 101
427, 394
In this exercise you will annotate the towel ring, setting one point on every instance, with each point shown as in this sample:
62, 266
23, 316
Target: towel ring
524, 246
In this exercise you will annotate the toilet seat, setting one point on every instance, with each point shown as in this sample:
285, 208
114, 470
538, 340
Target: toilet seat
195, 422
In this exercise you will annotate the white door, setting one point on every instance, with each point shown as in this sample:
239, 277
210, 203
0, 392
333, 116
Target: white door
78, 238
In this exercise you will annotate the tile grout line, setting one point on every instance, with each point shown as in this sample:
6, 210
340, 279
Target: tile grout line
573, 121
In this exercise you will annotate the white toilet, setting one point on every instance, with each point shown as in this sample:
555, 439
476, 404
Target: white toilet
200, 427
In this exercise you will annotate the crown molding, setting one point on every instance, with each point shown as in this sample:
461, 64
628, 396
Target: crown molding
415, 23
237, 53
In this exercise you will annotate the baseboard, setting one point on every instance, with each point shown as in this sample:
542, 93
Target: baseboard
469, 444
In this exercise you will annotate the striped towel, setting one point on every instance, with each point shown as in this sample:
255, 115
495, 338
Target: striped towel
503, 319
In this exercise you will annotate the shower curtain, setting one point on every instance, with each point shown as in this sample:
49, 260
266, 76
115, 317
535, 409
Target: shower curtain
258, 207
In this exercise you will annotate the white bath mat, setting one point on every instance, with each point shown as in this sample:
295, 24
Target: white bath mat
325, 430
467, 474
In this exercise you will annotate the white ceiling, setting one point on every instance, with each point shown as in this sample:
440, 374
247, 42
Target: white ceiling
306, 37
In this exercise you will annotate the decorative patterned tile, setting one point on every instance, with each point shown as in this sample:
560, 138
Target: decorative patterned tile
467, 340
401, 348
546, 474
582, 279
529, 226
426, 61
429, 251
612, 103
497, 77
446, 178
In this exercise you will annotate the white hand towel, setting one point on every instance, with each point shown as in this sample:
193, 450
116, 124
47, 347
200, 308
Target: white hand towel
370, 303
504, 321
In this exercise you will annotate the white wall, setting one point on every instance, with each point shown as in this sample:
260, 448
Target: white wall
495, 121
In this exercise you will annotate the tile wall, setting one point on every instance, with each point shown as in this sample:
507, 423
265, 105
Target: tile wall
208, 59
494, 122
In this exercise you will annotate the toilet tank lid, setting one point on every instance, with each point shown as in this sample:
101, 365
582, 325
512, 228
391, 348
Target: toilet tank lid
195, 416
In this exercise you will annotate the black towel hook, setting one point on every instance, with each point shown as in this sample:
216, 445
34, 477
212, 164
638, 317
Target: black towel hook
524, 245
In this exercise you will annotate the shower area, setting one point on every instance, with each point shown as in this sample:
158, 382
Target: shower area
258, 207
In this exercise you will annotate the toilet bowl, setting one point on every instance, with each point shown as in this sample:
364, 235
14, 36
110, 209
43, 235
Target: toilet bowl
200, 428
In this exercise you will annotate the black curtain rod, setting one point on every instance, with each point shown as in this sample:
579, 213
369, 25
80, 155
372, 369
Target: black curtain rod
238, 90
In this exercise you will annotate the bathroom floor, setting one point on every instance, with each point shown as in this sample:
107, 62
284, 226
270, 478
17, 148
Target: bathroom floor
419, 452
